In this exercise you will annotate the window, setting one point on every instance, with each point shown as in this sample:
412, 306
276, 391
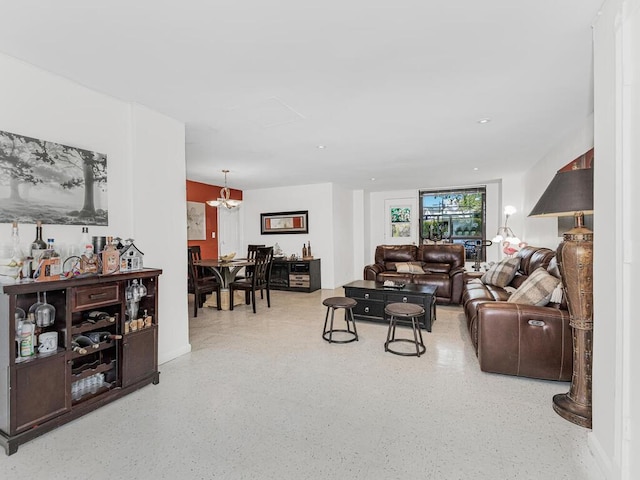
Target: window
454, 216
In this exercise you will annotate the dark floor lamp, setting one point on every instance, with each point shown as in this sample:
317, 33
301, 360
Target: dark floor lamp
571, 193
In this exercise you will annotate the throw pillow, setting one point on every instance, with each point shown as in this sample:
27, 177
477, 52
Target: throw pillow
554, 268
536, 290
501, 273
408, 267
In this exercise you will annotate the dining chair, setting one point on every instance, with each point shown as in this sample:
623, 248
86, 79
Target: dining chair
251, 255
259, 280
200, 282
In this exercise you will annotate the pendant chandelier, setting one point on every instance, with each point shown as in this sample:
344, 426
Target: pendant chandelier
224, 200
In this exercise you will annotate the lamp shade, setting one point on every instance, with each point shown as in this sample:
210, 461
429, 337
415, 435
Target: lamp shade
569, 192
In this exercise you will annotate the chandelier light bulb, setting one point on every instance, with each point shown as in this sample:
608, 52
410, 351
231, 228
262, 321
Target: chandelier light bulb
510, 210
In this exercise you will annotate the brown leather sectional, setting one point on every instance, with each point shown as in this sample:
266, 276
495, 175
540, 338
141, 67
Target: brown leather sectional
443, 266
515, 339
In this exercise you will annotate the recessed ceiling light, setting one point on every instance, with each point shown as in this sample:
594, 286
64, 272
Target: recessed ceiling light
373, 179
475, 169
484, 120
322, 147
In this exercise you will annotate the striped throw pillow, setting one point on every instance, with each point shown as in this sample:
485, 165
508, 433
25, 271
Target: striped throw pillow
408, 267
536, 290
501, 273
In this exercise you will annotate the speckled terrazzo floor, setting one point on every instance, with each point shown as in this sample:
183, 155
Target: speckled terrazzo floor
264, 397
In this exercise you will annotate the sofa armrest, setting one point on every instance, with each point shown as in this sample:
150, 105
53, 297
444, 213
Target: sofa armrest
457, 284
456, 271
524, 340
371, 271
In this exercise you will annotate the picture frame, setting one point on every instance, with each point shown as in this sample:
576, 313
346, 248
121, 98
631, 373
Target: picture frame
284, 222
34, 171
400, 221
196, 221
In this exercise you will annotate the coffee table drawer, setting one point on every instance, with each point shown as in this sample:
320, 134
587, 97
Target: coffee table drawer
370, 309
358, 293
405, 298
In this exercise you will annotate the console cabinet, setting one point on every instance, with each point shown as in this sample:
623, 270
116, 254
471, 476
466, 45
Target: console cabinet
45, 390
295, 275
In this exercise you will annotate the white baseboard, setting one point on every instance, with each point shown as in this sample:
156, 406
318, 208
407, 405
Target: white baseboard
167, 356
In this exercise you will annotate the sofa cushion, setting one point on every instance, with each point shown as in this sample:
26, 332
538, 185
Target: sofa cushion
409, 267
500, 274
436, 267
536, 290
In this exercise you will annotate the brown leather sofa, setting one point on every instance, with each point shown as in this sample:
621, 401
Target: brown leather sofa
443, 267
516, 339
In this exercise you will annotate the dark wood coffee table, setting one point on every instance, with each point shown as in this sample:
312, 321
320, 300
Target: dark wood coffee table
372, 297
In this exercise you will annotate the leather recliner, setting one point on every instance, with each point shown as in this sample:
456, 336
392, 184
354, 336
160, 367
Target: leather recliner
515, 339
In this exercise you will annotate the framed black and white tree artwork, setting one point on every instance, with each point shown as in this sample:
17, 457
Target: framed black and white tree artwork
51, 182
196, 221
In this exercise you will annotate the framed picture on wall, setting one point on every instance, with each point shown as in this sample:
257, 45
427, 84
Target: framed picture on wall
196, 221
284, 222
44, 180
400, 221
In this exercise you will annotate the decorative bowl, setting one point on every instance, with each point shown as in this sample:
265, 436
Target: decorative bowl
228, 257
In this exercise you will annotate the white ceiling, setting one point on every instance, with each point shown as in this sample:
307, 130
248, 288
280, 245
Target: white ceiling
393, 89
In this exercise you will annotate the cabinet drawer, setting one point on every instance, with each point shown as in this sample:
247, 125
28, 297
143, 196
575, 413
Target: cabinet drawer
405, 298
95, 296
298, 277
370, 309
299, 284
364, 294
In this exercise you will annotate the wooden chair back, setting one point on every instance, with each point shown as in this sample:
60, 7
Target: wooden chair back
262, 267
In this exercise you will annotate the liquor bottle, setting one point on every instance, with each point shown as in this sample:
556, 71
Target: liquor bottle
85, 239
16, 251
99, 337
84, 341
309, 249
110, 258
27, 337
304, 250
38, 248
17, 259
77, 348
96, 315
88, 261
51, 248
50, 261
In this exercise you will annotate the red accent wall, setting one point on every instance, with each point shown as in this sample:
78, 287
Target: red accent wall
201, 192
583, 161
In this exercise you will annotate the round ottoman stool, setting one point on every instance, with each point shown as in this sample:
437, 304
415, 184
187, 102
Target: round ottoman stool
405, 311
333, 303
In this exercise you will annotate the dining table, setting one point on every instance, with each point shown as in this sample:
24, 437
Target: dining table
226, 271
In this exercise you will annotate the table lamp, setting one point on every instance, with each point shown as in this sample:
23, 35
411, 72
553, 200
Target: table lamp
570, 193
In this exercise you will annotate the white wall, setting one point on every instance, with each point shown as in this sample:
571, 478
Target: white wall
160, 221
616, 395
377, 217
319, 201
344, 226
38, 104
41, 105
543, 232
